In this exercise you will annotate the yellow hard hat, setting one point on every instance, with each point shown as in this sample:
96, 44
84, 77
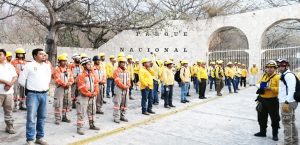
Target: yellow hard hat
20, 50
213, 63
121, 54
239, 63
129, 57
160, 62
172, 59
243, 64
83, 55
121, 59
101, 54
62, 57
271, 63
200, 61
8, 54
229, 63
168, 62
111, 56
145, 60
184, 62
137, 60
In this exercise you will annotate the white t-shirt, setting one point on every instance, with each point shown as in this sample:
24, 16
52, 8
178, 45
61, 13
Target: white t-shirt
7, 72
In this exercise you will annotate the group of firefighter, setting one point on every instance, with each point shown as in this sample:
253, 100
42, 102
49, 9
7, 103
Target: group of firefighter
83, 83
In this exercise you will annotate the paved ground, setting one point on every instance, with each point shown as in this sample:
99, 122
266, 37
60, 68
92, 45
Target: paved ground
230, 120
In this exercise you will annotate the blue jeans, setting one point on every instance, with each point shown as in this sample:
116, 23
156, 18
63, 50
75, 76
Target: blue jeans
229, 83
36, 112
110, 86
155, 92
237, 82
146, 95
212, 81
184, 88
196, 83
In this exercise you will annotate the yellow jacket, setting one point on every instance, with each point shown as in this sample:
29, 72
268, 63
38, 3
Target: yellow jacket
161, 70
273, 85
167, 77
219, 72
254, 70
229, 72
156, 70
136, 68
237, 71
202, 73
194, 70
146, 78
211, 71
130, 71
244, 72
185, 74
109, 70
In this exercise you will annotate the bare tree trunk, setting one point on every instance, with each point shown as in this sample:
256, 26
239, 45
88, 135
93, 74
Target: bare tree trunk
51, 47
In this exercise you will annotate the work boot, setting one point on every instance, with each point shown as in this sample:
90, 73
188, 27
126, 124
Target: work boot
80, 131
151, 112
10, 129
116, 120
92, 126
65, 119
219, 94
145, 113
107, 96
275, 134
166, 106
41, 141
31, 142
99, 112
131, 98
57, 122
172, 105
73, 104
262, 133
124, 119
188, 94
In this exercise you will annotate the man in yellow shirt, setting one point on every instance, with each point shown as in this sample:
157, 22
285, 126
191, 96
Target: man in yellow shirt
168, 84
146, 86
267, 100
211, 76
253, 75
155, 67
185, 81
110, 68
136, 69
219, 75
202, 78
130, 66
244, 73
230, 74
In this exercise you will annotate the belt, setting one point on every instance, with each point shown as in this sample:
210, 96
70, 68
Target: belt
37, 92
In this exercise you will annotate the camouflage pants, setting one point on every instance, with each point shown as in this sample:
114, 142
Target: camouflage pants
99, 99
62, 102
85, 105
6, 101
219, 85
120, 103
290, 129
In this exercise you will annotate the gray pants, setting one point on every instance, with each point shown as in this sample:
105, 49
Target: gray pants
99, 99
288, 122
6, 101
120, 103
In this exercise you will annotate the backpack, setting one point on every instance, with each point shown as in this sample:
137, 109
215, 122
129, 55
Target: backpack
177, 76
297, 91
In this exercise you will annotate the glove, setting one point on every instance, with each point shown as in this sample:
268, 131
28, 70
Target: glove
286, 108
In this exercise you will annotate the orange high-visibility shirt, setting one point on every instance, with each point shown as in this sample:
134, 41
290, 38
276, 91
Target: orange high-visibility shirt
61, 78
87, 83
122, 78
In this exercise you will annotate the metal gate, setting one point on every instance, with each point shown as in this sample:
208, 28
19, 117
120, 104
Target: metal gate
241, 56
290, 53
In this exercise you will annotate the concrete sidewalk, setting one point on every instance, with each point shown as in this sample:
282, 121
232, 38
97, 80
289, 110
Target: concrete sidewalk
230, 119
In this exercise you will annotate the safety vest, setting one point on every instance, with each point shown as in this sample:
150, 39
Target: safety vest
87, 83
18, 64
121, 78
99, 70
62, 76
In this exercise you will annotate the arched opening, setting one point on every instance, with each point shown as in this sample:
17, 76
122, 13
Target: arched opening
229, 44
282, 40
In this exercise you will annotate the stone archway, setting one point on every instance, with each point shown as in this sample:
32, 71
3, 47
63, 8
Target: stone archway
228, 44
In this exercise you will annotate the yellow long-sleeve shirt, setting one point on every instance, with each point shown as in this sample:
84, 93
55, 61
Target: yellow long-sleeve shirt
211, 71
202, 73
254, 70
273, 85
185, 74
219, 72
229, 72
136, 68
244, 73
237, 71
146, 78
195, 69
156, 70
130, 71
109, 70
167, 77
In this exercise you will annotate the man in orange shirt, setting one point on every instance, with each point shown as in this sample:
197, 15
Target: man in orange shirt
88, 87
19, 91
99, 70
76, 70
62, 98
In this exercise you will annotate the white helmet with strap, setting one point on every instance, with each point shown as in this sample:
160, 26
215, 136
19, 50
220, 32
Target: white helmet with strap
75, 55
85, 60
